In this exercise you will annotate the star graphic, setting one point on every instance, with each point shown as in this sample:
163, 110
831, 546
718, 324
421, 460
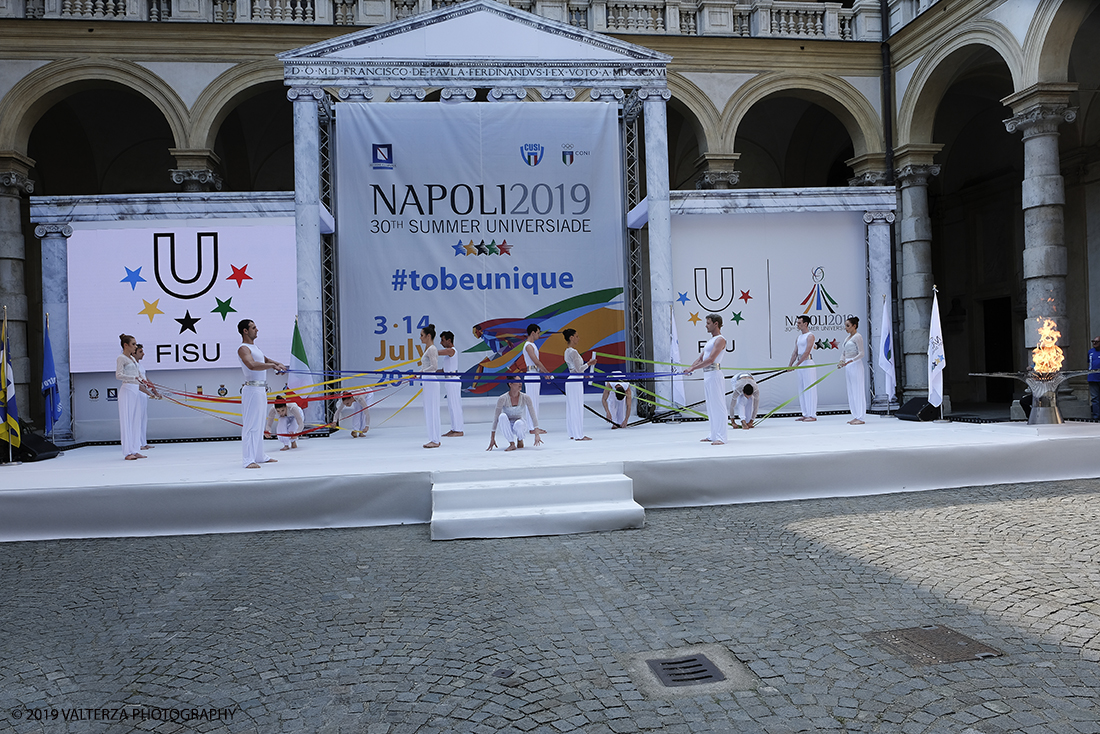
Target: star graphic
460, 249
683, 298
239, 275
505, 248
737, 317
471, 248
493, 248
832, 344
694, 319
223, 307
481, 248
150, 309
745, 296
133, 277
187, 323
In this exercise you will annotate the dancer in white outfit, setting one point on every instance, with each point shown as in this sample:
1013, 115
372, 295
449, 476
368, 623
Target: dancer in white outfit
429, 363
803, 355
617, 400
448, 360
285, 421
129, 399
149, 391
353, 414
746, 400
714, 384
574, 387
508, 418
534, 384
254, 366
852, 361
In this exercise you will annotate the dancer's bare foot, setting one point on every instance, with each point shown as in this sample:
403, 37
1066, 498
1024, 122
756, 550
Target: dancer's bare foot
704, 440
272, 461
131, 457
519, 444
809, 419
432, 445
717, 443
285, 448
586, 438
512, 446
140, 456
750, 424
146, 447
253, 465
855, 422
453, 434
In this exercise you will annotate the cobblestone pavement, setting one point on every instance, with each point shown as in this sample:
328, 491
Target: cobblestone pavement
383, 631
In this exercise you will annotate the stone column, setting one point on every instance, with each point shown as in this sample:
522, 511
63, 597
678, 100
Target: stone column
1038, 111
879, 274
660, 229
196, 169
307, 222
14, 184
915, 273
717, 171
55, 308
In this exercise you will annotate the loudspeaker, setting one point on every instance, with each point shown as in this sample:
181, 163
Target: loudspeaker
918, 409
32, 447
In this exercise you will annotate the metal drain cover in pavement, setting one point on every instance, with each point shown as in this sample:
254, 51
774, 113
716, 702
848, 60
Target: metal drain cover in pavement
692, 670
932, 644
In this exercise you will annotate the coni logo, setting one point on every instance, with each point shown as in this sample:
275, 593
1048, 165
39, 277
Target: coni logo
532, 153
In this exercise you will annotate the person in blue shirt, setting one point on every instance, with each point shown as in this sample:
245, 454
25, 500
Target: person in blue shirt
1094, 378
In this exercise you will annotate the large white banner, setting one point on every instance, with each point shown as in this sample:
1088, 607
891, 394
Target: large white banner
180, 287
481, 219
760, 272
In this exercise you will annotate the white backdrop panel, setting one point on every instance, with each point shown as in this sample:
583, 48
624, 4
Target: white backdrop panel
759, 272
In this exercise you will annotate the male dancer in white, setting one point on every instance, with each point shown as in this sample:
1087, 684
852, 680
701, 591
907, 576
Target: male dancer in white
714, 383
574, 387
148, 392
285, 421
803, 355
352, 413
129, 398
254, 365
746, 400
618, 397
429, 363
448, 359
533, 388
508, 418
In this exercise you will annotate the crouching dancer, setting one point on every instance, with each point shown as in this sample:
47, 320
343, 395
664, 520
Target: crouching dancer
508, 418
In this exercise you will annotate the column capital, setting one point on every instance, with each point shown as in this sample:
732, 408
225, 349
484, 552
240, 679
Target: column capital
1043, 93
42, 231
1040, 119
869, 170
645, 94
717, 171
916, 174
304, 93
510, 94
355, 94
878, 217
196, 179
560, 93
617, 95
457, 94
15, 183
408, 94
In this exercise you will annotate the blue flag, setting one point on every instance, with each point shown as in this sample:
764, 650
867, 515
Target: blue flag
49, 384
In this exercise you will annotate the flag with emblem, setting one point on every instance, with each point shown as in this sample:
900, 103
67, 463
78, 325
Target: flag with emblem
9, 412
50, 393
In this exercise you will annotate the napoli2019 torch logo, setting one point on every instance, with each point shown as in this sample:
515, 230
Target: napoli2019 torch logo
819, 298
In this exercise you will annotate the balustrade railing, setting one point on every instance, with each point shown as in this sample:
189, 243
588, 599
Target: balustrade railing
740, 18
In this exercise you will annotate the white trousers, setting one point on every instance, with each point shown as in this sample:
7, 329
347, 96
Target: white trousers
743, 408
574, 407
431, 410
129, 417
714, 387
357, 421
253, 416
144, 430
510, 431
286, 426
857, 389
454, 402
533, 387
807, 399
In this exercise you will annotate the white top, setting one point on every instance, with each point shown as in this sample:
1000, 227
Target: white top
616, 405
258, 357
449, 362
515, 412
430, 360
531, 366
141, 369
711, 343
853, 348
574, 360
126, 370
293, 412
359, 406
800, 346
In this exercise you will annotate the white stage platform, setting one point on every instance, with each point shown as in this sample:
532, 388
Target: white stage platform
386, 478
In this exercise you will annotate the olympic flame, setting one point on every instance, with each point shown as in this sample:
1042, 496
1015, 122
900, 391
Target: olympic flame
1047, 356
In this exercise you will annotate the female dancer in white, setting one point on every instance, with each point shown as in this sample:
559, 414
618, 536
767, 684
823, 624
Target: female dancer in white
574, 387
285, 421
852, 362
803, 355
534, 384
508, 418
448, 359
129, 398
714, 384
429, 362
353, 414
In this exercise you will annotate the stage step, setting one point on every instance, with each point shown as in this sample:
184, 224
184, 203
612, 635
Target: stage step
532, 501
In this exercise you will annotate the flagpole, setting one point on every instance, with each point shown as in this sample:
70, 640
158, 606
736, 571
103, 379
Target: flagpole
53, 424
4, 385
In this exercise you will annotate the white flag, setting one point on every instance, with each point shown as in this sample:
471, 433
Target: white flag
885, 358
678, 399
936, 359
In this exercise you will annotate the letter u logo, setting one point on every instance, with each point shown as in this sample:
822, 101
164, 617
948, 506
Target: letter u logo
203, 241
702, 290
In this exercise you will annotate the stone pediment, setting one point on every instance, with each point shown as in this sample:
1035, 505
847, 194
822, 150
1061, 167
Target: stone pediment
476, 43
